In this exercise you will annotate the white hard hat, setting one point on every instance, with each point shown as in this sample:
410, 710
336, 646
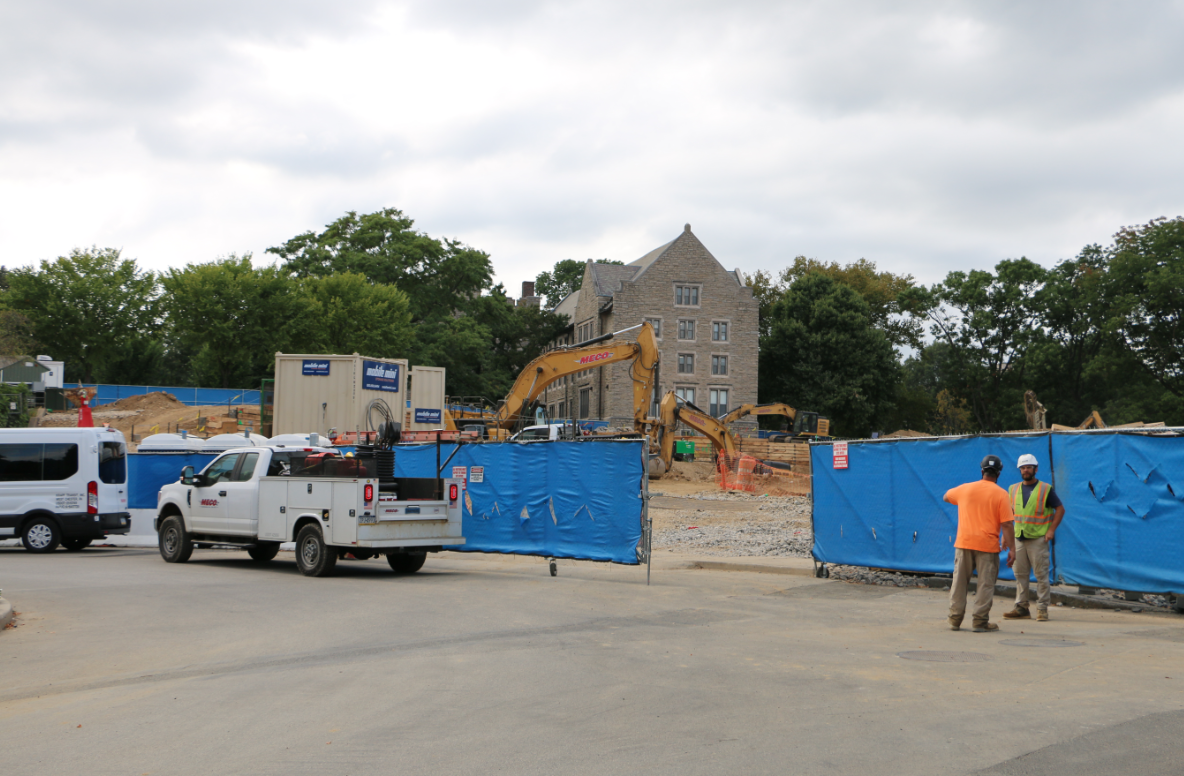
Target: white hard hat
1027, 459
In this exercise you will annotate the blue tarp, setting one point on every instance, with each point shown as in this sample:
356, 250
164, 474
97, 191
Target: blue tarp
1124, 520
558, 499
1124, 516
194, 397
149, 472
886, 509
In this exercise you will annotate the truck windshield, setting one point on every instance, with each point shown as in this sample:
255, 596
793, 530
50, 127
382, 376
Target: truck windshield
112, 463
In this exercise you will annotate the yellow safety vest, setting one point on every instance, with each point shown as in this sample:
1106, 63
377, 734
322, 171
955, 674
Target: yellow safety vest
1033, 518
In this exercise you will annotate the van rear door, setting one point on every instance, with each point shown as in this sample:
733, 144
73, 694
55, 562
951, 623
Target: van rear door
112, 474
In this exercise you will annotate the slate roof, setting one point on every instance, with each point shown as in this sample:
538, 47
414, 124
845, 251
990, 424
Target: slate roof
568, 305
606, 278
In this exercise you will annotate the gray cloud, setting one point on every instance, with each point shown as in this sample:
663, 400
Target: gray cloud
925, 136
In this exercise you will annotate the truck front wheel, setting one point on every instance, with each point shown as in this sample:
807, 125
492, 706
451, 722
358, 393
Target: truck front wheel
313, 558
406, 562
264, 551
175, 544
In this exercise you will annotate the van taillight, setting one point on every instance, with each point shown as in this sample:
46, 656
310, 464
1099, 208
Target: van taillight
92, 498
452, 492
368, 492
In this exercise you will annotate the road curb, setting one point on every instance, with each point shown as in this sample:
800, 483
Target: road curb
1065, 599
5, 613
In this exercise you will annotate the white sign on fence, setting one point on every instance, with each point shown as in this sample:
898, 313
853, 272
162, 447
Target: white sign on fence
839, 449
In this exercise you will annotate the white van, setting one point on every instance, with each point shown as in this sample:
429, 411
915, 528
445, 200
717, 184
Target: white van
63, 486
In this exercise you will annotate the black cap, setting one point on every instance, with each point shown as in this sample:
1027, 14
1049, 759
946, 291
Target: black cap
992, 463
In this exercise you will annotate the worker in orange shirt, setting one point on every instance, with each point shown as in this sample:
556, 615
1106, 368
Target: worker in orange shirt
984, 514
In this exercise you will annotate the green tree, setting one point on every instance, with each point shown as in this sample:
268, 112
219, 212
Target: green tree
1146, 280
881, 290
436, 275
84, 306
824, 353
347, 313
232, 318
766, 291
566, 276
989, 320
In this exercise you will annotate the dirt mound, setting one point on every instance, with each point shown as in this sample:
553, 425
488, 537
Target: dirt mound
156, 401
686, 471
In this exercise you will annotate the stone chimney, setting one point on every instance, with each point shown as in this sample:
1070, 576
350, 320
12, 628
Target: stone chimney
528, 298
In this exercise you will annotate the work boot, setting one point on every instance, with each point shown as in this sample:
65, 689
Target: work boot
1018, 613
955, 624
1042, 615
986, 627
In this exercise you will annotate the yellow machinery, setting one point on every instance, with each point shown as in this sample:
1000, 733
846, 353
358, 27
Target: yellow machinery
555, 364
805, 424
673, 411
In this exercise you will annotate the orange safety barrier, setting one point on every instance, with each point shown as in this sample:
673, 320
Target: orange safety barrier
750, 475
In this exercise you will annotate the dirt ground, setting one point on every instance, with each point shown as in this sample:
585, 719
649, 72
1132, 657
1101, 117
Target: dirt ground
160, 409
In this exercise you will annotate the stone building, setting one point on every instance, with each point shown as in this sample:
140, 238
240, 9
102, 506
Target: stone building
705, 319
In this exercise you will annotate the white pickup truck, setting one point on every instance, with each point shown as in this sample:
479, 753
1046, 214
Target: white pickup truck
330, 505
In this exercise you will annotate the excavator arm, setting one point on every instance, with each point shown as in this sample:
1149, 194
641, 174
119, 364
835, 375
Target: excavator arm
551, 366
673, 411
779, 408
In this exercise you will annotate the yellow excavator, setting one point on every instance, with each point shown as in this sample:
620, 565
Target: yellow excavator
674, 410
805, 424
555, 364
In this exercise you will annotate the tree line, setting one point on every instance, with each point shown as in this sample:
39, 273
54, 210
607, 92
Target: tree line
872, 350
370, 284
1100, 331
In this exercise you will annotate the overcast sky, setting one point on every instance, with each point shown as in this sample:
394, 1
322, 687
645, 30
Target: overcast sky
926, 136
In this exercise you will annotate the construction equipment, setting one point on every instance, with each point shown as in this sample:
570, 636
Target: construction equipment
805, 424
551, 366
674, 410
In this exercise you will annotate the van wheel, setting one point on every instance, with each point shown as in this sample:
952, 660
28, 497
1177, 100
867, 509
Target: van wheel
313, 557
406, 562
175, 544
41, 535
264, 551
74, 545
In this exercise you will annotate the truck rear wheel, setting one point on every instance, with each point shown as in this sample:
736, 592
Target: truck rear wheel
41, 535
264, 551
313, 557
175, 544
406, 562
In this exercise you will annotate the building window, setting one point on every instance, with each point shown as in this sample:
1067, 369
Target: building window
657, 324
719, 365
562, 410
686, 296
686, 363
686, 394
719, 331
585, 403
719, 402
686, 330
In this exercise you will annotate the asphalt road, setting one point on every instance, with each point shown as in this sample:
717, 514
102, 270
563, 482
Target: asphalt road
123, 664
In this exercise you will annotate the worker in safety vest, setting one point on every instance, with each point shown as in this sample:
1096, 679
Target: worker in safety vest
984, 518
1037, 512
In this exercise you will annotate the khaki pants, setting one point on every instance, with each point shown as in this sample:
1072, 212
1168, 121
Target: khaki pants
987, 566
1032, 554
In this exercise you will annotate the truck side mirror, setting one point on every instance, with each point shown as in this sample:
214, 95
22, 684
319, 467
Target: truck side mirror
187, 475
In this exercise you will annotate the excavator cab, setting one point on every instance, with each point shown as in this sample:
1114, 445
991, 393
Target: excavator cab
805, 423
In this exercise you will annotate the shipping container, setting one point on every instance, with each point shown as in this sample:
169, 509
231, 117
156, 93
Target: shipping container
425, 403
347, 393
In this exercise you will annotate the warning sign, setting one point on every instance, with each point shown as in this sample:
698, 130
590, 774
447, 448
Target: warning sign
839, 449
460, 472
478, 474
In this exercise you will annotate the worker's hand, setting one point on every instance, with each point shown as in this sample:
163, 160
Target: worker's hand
1010, 557
1048, 537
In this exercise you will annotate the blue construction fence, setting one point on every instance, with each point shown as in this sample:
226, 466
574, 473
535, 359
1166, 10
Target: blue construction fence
1123, 495
194, 397
579, 500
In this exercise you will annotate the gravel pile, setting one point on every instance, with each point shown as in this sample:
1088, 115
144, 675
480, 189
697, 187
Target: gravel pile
870, 577
771, 527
